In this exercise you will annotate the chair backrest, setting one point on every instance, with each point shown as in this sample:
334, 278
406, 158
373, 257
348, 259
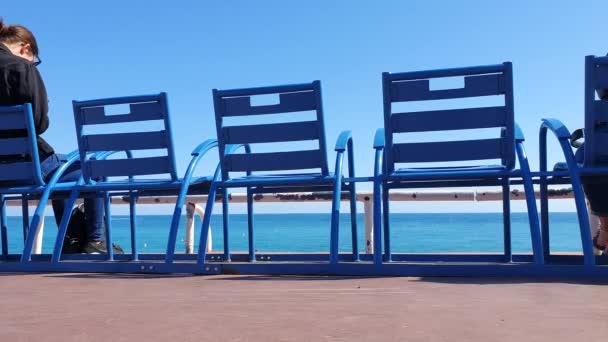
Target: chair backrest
19, 160
292, 98
142, 108
478, 82
596, 111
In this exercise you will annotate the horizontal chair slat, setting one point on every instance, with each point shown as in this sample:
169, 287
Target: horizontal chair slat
12, 120
139, 112
289, 102
446, 151
118, 100
419, 90
601, 77
296, 160
290, 88
453, 72
129, 167
452, 119
13, 146
601, 106
16, 172
126, 141
293, 131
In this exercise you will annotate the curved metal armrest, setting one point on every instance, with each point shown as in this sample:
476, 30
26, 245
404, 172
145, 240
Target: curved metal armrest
557, 127
204, 147
519, 134
72, 157
563, 135
379, 139
342, 142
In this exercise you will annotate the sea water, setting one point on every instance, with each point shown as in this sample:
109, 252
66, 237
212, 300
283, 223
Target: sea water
458, 232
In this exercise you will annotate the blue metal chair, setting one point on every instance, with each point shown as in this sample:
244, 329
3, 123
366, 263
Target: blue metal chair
100, 173
595, 163
20, 174
292, 98
414, 86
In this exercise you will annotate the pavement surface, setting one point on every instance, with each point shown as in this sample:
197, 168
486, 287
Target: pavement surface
102, 307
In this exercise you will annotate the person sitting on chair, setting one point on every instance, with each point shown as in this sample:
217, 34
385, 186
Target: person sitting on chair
20, 82
597, 195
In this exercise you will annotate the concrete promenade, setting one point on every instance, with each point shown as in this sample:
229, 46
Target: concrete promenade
102, 307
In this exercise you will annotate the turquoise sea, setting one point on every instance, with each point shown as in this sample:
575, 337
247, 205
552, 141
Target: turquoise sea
310, 232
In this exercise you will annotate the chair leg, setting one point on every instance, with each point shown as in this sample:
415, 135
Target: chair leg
544, 217
25, 215
204, 234
377, 223
387, 231
334, 252
225, 222
63, 226
583, 219
35, 225
250, 225
108, 222
353, 221
506, 218
133, 213
3, 228
535, 234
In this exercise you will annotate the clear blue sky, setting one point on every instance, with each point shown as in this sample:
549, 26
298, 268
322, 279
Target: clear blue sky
113, 48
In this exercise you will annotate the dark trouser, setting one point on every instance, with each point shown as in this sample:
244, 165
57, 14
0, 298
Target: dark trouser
93, 207
596, 188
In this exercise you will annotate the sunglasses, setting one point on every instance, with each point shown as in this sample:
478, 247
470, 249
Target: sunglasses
37, 60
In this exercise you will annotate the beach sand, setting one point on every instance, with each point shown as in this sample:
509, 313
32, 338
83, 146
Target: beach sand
100, 307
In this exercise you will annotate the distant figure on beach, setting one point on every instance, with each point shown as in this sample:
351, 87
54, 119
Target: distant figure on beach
20, 82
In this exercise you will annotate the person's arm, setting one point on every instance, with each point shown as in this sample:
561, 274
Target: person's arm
32, 90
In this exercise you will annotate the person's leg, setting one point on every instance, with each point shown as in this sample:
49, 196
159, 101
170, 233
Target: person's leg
597, 195
93, 207
93, 213
48, 168
602, 238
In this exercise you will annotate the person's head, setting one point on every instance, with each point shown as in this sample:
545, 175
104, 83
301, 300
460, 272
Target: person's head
20, 41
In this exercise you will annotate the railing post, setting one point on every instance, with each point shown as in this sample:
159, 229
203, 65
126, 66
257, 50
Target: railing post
191, 209
368, 208
37, 248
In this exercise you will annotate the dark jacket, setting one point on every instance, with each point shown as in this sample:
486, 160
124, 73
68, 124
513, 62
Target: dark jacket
20, 83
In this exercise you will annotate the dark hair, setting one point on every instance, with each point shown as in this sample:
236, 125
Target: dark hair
17, 33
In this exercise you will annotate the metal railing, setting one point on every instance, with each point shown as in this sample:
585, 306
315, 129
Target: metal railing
192, 207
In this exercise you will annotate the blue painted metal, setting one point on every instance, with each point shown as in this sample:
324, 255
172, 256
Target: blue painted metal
132, 214
225, 224
596, 113
3, 227
95, 166
478, 81
250, 236
292, 99
404, 258
594, 164
28, 181
378, 179
197, 154
506, 216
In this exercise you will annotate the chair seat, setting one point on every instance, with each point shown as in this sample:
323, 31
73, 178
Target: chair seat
284, 179
451, 173
33, 189
146, 185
